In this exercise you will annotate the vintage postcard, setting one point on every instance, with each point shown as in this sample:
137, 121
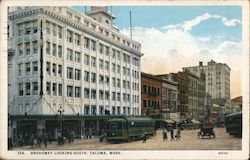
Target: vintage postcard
124, 80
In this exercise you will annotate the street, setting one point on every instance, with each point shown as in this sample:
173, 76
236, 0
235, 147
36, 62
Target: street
189, 141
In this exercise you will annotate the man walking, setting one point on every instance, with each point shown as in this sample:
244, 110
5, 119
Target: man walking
172, 132
164, 134
144, 137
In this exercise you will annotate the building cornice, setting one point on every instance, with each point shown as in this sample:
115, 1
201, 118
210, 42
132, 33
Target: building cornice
27, 12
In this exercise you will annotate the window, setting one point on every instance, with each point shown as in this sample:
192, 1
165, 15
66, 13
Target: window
101, 79
118, 110
20, 29
27, 68
107, 50
60, 70
35, 67
113, 82
118, 55
118, 69
106, 66
70, 91
106, 95
124, 110
54, 69
124, 57
77, 39
93, 109
86, 59
93, 78
113, 53
101, 48
124, 84
69, 36
86, 42
101, 110
77, 57
128, 59
35, 88
54, 28
86, 92
78, 92
54, 50
27, 48
93, 94
69, 73
27, 88
124, 70
59, 89
77, 74
48, 68
118, 96
78, 19
48, 47
93, 45
100, 64
20, 89
128, 71
101, 95
47, 27
93, 61
113, 96
118, 83
27, 28
113, 110
107, 80
35, 47
48, 88
54, 89
59, 32
20, 69
59, 51
113, 67
20, 49
69, 55
86, 109
86, 76
69, 15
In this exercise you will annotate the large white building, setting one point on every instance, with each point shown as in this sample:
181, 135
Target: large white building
61, 60
217, 78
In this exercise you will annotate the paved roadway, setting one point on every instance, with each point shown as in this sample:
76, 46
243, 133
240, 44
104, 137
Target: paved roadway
189, 141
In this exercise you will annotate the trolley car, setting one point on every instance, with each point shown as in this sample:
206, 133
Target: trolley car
234, 124
129, 128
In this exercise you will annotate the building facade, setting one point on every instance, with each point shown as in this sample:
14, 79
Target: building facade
65, 63
151, 95
182, 80
217, 78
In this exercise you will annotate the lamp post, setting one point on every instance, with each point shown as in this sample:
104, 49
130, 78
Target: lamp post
60, 118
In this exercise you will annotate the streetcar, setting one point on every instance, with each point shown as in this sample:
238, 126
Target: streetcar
129, 128
234, 124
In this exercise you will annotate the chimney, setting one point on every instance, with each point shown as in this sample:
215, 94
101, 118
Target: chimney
200, 64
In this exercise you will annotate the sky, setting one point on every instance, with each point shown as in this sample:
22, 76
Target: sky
173, 37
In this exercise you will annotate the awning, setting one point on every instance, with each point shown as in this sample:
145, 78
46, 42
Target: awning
176, 120
170, 121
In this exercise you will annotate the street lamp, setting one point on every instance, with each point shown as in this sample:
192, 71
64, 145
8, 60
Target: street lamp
60, 117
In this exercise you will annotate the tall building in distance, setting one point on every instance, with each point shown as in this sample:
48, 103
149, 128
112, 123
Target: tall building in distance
217, 78
64, 62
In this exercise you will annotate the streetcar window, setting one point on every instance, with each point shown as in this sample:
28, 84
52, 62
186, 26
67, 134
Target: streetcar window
115, 126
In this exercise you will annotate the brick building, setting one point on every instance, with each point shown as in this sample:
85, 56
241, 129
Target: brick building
151, 95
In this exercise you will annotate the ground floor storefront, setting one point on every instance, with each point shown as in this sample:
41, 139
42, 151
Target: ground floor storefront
22, 127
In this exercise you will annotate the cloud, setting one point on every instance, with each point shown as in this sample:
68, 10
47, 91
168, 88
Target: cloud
171, 49
188, 25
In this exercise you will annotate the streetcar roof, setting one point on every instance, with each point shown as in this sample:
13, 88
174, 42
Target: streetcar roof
234, 114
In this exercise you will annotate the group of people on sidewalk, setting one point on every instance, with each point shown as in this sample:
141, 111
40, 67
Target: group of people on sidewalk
171, 130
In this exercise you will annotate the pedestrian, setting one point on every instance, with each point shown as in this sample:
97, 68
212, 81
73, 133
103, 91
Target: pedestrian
164, 134
32, 138
178, 134
39, 139
50, 137
59, 138
172, 133
90, 133
45, 139
144, 137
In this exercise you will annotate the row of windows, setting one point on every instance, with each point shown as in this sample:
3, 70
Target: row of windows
54, 89
25, 48
27, 28
54, 69
135, 86
101, 30
28, 68
56, 49
152, 103
28, 88
53, 28
151, 90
